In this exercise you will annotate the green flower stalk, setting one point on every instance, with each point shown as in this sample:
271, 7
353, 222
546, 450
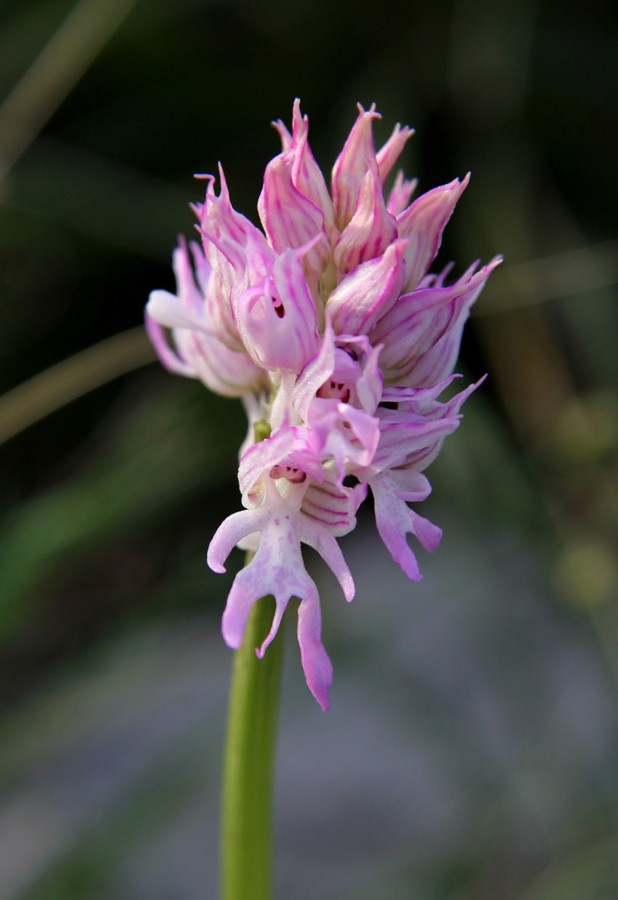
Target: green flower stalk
246, 833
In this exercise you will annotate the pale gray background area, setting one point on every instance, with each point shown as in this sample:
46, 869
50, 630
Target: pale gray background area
468, 715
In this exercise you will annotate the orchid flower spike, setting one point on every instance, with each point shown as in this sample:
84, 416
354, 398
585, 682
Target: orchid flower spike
330, 327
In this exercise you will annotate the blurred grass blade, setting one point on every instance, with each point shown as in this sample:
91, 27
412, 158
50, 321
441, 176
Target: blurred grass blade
54, 73
72, 378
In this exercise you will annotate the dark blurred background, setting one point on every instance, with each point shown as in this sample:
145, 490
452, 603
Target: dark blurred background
471, 752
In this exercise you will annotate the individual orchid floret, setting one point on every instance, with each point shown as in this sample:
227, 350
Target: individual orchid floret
421, 332
292, 511
422, 225
237, 253
414, 424
368, 292
193, 348
413, 428
370, 230
356, 159
276, 319
304, 173
340, 342
359, 157
295, 207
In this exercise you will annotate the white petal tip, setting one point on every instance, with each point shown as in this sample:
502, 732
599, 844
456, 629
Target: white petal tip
214, 564
233, 641
413, 575
323, 700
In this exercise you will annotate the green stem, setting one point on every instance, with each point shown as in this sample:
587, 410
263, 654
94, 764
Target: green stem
246, 852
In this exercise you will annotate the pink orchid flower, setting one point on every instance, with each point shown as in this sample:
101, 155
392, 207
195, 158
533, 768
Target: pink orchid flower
330, 327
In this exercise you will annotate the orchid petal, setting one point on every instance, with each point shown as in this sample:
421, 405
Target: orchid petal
366, 294
317, 666
394, 520
388, 155
370, 230
356, 158
422, 224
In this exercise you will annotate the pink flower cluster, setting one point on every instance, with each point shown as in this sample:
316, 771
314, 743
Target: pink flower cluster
329, 327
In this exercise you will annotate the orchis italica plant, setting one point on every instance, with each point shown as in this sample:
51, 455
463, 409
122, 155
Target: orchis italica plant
330, 328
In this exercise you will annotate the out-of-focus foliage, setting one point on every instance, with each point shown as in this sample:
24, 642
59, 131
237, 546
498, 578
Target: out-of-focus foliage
471, 750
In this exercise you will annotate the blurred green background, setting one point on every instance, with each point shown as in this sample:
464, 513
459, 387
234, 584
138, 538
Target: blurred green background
471, 752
